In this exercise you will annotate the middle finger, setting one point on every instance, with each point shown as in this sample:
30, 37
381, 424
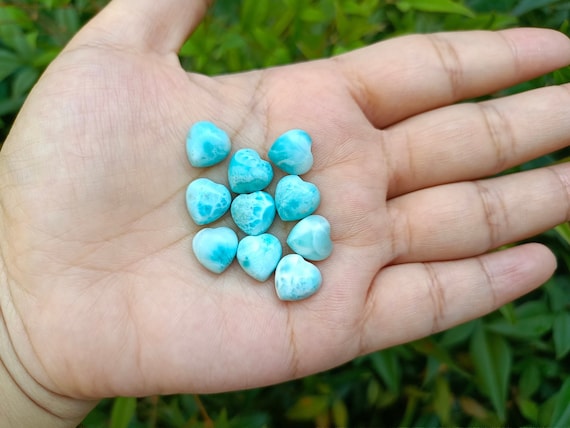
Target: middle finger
470, 141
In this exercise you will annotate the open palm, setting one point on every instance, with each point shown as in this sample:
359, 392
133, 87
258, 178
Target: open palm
102, 295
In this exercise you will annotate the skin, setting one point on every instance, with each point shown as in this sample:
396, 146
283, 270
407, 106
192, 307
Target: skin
99, 291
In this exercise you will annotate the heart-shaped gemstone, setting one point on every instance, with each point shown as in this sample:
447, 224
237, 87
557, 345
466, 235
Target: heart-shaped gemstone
259, 255
206, 144
311, 238
249, 173
296, 278
207, 201
215, 248
253, 212
291, 152
295, 198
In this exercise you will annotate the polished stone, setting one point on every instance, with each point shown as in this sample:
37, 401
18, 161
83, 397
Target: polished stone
291, 152
311, 238
253, 212
215, 248
259, 255
295, 198
207, 201
206, 144
296, 278
249, 173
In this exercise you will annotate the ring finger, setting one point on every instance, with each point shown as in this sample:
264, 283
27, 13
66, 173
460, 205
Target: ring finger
459, 220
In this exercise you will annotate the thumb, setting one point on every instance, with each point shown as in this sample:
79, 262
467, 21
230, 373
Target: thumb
144, 25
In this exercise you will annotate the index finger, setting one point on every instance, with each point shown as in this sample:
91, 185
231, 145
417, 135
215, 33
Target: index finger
402, 77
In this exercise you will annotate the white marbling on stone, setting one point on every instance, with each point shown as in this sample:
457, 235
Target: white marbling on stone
207, 200
259, 255
311, 238
291, 152
207, 145
215, 248
296, 278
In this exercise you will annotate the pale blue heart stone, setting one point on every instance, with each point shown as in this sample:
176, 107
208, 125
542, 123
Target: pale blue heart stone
253, 212
295, 198
291, 152
249, 173
206, 144
207, 201
311, 238
296, 278
215, 248
259, 255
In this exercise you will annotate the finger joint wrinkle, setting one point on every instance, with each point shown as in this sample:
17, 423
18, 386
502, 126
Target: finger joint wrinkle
437, 296
494, 211
500, 133
450, 62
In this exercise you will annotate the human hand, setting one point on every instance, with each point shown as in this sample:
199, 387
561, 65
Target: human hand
101, 295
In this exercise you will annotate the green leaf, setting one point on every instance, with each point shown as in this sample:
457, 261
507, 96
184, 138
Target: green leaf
529, 409
508, 311
44, 58
492, 360
561, 334
15, 15
530, 379
441, 6
9, 62
123, 412
24, 80
308, 408
11, 105
457, 335
526, 6
558, 292
254, 14
561, 412
524, 328
563, 230
340, 414
67, 20
386, 364
442, 400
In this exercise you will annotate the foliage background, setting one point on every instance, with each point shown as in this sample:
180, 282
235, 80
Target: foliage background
510, 368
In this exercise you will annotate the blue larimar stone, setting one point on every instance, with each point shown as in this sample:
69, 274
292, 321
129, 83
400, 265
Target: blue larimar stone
296, 199
249, 173
206, 144
207, 201
296, 278
259, 255
291, 152
253, 212
311, 238
215, 248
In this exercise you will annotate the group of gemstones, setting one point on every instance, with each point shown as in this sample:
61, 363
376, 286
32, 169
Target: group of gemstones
253, 210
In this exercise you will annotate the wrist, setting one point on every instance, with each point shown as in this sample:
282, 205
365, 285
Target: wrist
24, 402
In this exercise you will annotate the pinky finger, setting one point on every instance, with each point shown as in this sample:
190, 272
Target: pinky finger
410, 301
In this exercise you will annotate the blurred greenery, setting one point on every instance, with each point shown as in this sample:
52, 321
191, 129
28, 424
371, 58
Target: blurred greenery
510, 368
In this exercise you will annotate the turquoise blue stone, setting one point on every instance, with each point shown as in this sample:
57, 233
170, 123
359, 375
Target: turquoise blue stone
206, 144
311, 238
253, 212
295, 198
291, 152
249, 173
207, 201
296, 278
259, 255
215, 248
